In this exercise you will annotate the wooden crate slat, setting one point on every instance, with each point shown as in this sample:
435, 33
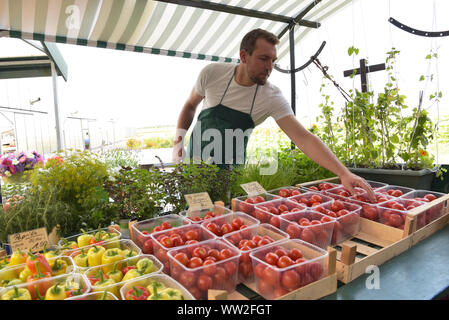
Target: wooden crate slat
430, 229
373, 239
361, 248
339, 257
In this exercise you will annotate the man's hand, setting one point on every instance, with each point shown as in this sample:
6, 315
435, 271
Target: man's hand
350, 181
179, 153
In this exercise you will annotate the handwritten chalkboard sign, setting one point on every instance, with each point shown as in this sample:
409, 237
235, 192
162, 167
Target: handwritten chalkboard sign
199, 201
33, 240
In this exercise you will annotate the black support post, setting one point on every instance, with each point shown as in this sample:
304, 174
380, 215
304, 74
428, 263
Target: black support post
292, 74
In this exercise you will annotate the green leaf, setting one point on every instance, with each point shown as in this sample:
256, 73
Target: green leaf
350, 51
428, 56
394, 139
421, 78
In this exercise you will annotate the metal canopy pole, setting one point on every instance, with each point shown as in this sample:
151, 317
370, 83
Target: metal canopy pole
59, 137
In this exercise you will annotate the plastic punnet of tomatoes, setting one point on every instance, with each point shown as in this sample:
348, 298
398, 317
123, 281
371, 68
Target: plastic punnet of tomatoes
199, 216
369, 210
321, 186
157, 287
286, 192
394, 191
94, 253
143, 229
376, 184
177, 237
311, 199
347, 216
341, 193
433, 212
309, 225
117, 271
248, 239
269, 212
394, 212
68, 285
211, 264
246, 204
230, 222
287, 266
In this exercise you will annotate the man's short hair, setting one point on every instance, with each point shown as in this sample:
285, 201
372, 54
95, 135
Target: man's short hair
249, 40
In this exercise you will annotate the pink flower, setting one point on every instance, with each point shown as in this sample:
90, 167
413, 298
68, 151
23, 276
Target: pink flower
12, 169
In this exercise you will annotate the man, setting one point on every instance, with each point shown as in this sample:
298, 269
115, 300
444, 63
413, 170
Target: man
238, 98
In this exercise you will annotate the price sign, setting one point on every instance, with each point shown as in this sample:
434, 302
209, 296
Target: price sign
199, 201
33, 240
253, 188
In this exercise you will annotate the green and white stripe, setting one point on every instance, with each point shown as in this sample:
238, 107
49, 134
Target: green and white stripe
153, 26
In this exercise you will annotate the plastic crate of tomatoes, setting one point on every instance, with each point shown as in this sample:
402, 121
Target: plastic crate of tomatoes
270, 212
347, 217
310, 226
311, 199
48, 288
369, 209
394, 191
246, 203
426, 196
211, 264
287, 266
199, 216
230, 222
177, 237
393, 213
248, 239
285, 192
321, 186
141, 230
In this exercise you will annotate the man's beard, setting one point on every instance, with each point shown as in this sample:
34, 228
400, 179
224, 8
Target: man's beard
259, 81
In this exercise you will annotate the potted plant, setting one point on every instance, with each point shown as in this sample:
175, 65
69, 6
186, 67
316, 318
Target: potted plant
379, 138
18, 168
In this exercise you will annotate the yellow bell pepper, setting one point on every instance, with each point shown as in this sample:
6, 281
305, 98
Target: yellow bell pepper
18, 257
8, 274
50, 255
17, 294
13, 282
94, 255
145, 265
115, 274
110, 256
127, 253
24, 274
84, 239
155, 284
81, 259
59, 267
131, 274
56, 292
104, 283
171, 294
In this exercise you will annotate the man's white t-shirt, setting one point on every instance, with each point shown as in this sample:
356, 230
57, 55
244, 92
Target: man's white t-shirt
212, 82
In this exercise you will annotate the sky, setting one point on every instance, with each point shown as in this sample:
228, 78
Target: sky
140, 90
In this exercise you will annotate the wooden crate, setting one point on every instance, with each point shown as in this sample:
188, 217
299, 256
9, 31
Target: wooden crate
377, 243
313, 291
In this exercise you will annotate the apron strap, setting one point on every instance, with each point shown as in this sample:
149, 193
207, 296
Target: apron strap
227, 87
254, 99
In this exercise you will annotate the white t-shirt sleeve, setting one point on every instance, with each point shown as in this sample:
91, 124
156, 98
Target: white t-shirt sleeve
200, 85
280, 107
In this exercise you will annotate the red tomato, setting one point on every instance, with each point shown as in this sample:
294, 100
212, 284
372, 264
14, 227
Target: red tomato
212, 227
284, 193
430, 197
271, 258
231, 268
295, 192
187, 279
314, 188
210, 267
279, 292
290, 279
224, 254
395, 220
204, 282
182, 258
274, 210
148, 246
275, 221
271, 276
259, 269
262, 242
213, 253
220, 276
196, 293
166, 225
397, 193
342, 212
195, 262
337, 205
284, 261
245, 207
264, 287
192, 235
195, 219
370, 212
252, 244
295, 254
226, 228
166, 242
282, 208
199, 252
315, 270
280, 252
398, 206
157, 229
293, 230
316, 198
245, 269
261, 216
325, 219
308, 236
236, 223
259, 199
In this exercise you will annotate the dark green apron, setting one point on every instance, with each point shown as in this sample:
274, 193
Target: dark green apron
221, 118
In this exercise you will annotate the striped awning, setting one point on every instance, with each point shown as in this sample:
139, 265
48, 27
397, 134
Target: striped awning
172, 28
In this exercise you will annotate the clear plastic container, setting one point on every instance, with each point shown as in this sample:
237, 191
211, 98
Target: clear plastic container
376, 184
92, 232
286, 192
321, 186
394, 191
341, 193
273, 282
147, 280
269, 212
13, 272
199, 216
71, 282
141, 230
246, 274
348, 219
216, 225
123, 244
221, 274
318, 233
393, 213
310, 199
363, 198
425, 196
186, 234
105, 295
115, 288
246, 204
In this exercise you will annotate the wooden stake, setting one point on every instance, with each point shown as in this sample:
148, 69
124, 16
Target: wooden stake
348, 252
